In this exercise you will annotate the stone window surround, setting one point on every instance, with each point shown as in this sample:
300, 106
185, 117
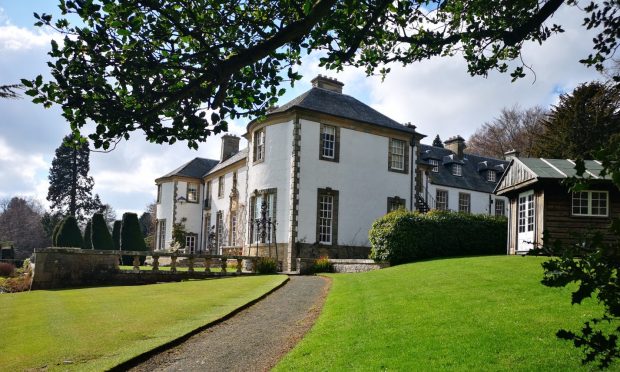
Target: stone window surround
405, 169
196, 198
220, 187
208, 191
195, 238
395, 200
161, 236
464, 202
336, 195
272, 191
336, 157
255, 146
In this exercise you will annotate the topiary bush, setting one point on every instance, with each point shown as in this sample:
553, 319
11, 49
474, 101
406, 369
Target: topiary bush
403, 236
69, 234
131, 237
266, 265
101, 235
56, 231
88, 244
116, 234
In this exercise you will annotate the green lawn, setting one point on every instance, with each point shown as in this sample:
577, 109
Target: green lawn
98, 328
481, 313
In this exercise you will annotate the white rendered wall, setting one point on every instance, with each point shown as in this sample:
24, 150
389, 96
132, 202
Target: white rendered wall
274, 172
165, 210
479, 200
191, 211
361, 177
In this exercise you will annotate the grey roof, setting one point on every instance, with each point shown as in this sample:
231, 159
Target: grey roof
195, 168
560, 168
233, 159
341, 105
474, 167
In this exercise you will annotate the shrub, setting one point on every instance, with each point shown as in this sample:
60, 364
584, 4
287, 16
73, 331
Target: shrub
17, 284
116, 234
7, 269
69, 234
88, 240
56, 231
322, 265
402, 236
266, 265
101, 235
131, 237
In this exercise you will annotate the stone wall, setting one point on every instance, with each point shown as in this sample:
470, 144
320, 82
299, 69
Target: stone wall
305, 265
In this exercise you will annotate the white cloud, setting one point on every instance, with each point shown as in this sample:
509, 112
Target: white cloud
19, 38
20, 170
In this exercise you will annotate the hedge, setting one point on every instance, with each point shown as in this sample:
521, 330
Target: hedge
131, 237
101, 235
88, 240
69, 234
402, 236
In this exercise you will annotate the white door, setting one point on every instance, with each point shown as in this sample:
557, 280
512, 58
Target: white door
525, 227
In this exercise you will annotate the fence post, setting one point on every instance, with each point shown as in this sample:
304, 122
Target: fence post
173, 264
239, 265
136, 263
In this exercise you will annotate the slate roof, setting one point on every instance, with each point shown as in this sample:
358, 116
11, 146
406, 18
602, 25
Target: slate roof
560, 168
233, 159
195, 168
474, 175
341, 105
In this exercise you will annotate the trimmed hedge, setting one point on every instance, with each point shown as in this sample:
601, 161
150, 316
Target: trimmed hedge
131, 237
116, 235
402, 236
69, 234
88, 240
101, 235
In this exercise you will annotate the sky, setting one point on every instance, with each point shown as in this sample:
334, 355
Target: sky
437, 95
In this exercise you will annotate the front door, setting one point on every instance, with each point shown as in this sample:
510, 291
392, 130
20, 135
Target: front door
525, 228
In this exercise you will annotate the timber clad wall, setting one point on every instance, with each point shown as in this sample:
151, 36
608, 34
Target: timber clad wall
562, 225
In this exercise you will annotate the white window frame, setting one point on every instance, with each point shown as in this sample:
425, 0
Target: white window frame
326, 218
257, 201
397, 153
190, 243
259, 145
159, 193
328, 136
439, 200
491, 176
435, 164
162, 234
590, 203
457, 169
192, 193
500, 211
464, 202
233, 229
220, 186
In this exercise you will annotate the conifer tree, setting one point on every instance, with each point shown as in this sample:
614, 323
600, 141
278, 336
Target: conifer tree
116, 235
437, 142
101, 235
131, 237
69, 234
88, 243
71, 187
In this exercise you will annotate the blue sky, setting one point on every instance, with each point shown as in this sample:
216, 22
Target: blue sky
436, 95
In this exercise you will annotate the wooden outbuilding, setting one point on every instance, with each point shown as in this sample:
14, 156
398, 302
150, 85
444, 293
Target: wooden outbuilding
540, 201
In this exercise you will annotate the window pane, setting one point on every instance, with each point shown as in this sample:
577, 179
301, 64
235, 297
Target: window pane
325, 218
442, 200
329, 141
580, 203
397, 151
435, 164
464, 202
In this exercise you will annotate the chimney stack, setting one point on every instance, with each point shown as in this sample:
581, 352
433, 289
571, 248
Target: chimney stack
230, 146
326, 83
456, 145
509, 155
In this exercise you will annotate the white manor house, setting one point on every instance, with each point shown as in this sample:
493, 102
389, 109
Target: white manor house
316, 174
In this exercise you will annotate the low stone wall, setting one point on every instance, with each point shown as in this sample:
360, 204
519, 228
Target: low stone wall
347, 265
74, 267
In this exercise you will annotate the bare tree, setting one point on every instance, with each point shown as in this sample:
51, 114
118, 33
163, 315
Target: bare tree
20, 223
513, 129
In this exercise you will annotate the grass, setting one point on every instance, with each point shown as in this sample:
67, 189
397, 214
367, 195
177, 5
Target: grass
98, 328
481, 313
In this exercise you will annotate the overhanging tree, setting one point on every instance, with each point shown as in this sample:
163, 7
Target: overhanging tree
70, 190
179, 72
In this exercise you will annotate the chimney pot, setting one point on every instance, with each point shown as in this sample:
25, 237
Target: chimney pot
456, 145
230, 146
327, 83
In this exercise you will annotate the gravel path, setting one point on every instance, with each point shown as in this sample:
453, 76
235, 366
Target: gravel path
253, 340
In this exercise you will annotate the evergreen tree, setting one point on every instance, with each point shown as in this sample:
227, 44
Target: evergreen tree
50, 222
69, 234
101, 235
56, 231
88, 243
131, 237
71, 187
581, 124
437, 142
116, 235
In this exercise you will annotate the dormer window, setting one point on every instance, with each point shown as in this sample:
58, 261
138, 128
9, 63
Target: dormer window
457, 169
491, 175
435, 164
